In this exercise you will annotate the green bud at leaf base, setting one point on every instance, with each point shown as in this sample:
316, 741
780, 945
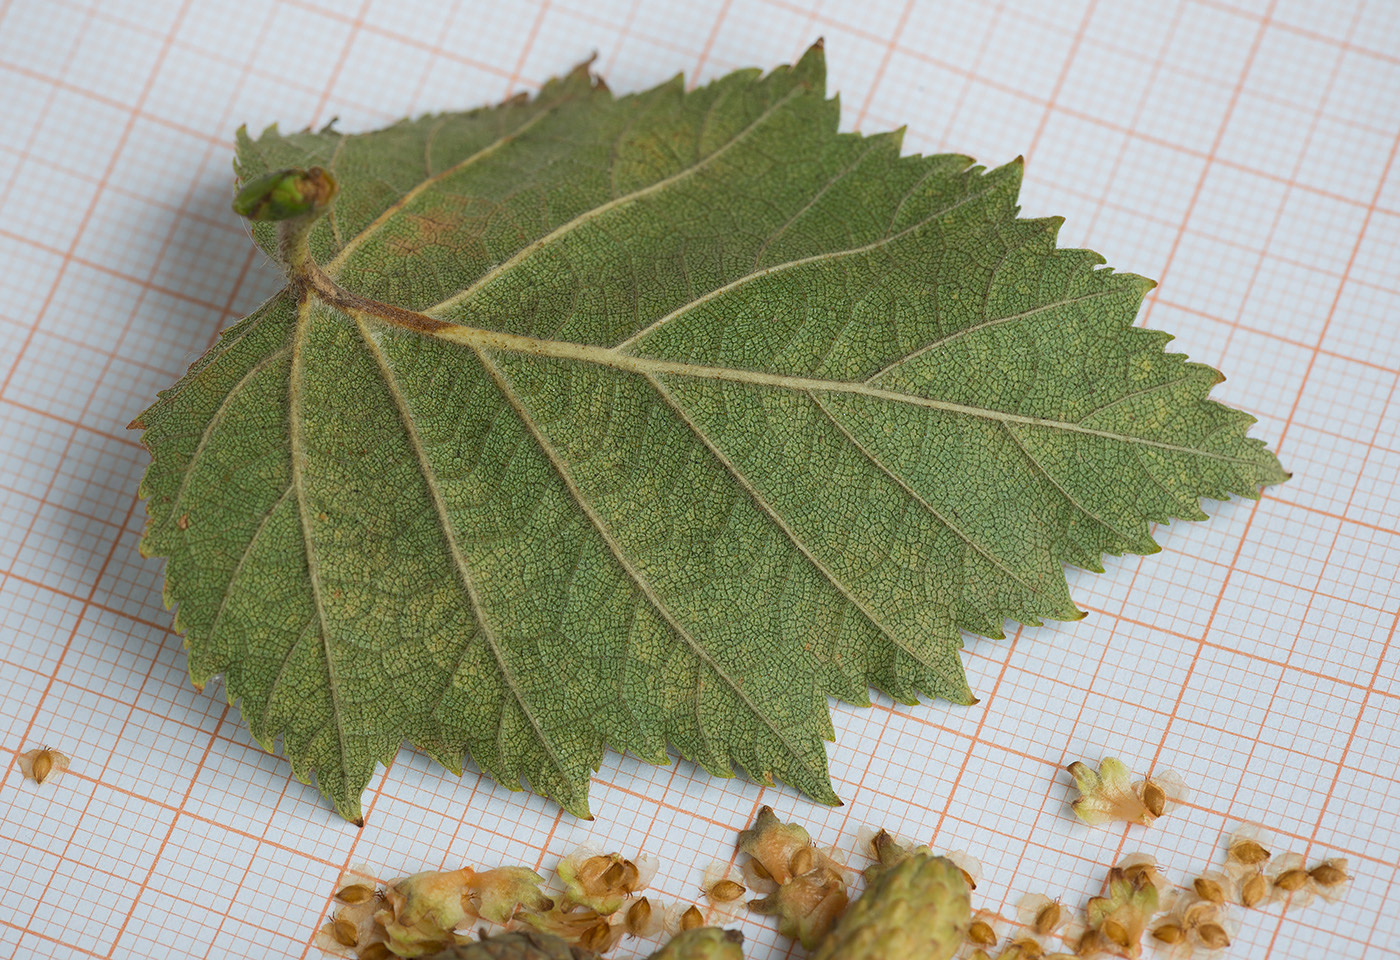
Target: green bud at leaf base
284, 194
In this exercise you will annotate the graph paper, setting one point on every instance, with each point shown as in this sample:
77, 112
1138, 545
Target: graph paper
1242, 152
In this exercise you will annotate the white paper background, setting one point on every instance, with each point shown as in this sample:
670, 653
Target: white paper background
1242, 152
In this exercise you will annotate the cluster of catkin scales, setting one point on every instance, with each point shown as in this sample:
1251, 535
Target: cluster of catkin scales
916, 905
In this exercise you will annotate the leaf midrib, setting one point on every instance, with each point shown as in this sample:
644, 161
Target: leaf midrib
611, 357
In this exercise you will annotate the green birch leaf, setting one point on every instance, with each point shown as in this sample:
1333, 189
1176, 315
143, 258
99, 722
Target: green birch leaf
649, 422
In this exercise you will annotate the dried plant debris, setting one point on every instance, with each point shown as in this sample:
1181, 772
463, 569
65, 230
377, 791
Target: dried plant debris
1116, 922
601, 882
808, 886
916, 906
42, 765
703, 943
1109, 794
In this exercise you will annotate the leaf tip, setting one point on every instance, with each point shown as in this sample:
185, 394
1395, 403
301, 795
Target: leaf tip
814, 60
359, 822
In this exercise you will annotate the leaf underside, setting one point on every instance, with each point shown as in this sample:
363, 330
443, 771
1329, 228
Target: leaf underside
705, 412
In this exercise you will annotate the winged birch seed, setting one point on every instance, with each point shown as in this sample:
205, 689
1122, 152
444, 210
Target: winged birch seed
1116, 932
802, 862
353, 893
1213, 935
1208, 889
1154, 798
639, 919
657, 334
1048, 919
1248, 845
1023, 948
42, 765
597, 937
1329, 873
725, 891
1291, 880
1248, 852
981, 933
968, 865
692, 918
1168, 933
345, 933
1254, 890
